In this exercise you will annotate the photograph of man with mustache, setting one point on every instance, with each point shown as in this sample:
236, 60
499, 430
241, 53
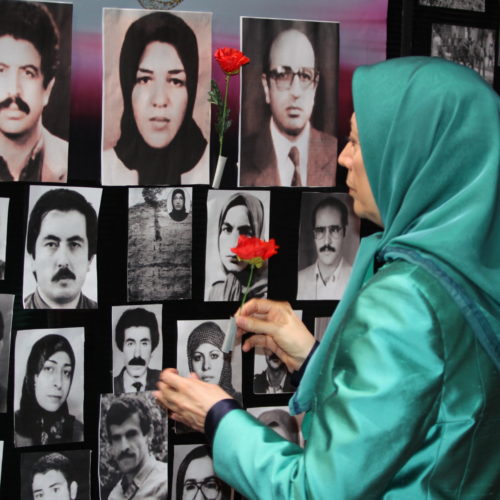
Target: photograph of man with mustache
61, 243
326, 278
29, 62
130, 432
290, 146
137, 337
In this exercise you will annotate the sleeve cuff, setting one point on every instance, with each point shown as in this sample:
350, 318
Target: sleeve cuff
215, 414
297, 375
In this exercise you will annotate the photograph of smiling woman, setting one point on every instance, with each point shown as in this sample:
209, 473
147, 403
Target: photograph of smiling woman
48, 386
156, 130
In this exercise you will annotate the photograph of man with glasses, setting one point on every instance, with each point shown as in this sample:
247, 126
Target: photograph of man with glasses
335, 233
289, 103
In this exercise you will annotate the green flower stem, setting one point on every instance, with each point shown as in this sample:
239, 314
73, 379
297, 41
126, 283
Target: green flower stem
248, 285
224, 117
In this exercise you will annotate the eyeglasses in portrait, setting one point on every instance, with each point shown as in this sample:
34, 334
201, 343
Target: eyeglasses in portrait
133, 447
55, 475
156, 114
160, 236
229, 215
60, 268
48, 386
6, 306
328, 242
288, 122
137, 347
194, 477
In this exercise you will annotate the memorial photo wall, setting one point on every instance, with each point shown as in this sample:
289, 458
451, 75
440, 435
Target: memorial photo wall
115, 251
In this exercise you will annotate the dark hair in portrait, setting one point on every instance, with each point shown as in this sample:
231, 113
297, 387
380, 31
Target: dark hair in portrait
237, 274
209, 332
258, 36
331, 202
34, 424
198, 452
123, 408
159, 165
137, 317
63, 200
33, 22
74, 465
178, 214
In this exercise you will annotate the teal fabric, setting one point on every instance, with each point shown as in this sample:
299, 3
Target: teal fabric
408, 409
430, 137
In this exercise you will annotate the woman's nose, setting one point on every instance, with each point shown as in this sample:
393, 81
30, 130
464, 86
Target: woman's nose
160, 97
344, 157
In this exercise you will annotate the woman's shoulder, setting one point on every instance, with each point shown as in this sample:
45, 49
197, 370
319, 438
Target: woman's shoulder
200, 173
114, 172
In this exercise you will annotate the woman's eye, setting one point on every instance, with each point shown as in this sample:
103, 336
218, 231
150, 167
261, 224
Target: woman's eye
226, 228
214, 355
141, 80
197, 357
48, 369
67, 373
176, 82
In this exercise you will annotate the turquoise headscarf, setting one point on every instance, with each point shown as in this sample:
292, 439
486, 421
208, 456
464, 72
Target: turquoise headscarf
430, 137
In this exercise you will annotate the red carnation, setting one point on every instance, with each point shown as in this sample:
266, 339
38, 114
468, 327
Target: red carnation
230, 60
254, 250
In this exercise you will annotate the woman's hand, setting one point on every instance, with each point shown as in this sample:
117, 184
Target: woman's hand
188, 399
277, 328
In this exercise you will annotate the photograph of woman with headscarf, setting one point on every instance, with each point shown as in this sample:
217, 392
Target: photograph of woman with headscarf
234, 213
160, 237
195, 476
199, 350
156, 114
48, 386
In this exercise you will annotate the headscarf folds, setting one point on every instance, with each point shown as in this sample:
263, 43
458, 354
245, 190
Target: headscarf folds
430, 137
165, 165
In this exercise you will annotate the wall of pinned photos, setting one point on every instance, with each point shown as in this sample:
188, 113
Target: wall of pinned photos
115, 256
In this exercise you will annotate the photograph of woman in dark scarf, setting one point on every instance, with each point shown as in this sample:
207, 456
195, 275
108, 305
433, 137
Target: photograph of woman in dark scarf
159, 139
178, 201
206, 359
241, 214
43, 416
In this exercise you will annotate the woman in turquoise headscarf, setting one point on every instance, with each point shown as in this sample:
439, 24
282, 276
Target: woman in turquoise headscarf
402, 396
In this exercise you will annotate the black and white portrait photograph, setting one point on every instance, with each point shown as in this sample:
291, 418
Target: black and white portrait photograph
472, 47
271, 375
133, 448
55, 475
194, 477
35, 57
320, 325
48, 386
199, 350
60, 270
278, 418
4, 215
328, 242
288, 121
473, 5
160, 236
229, 215
6, 305
137, 347
156, 114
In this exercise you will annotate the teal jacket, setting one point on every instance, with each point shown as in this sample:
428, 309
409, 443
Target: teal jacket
407, 406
